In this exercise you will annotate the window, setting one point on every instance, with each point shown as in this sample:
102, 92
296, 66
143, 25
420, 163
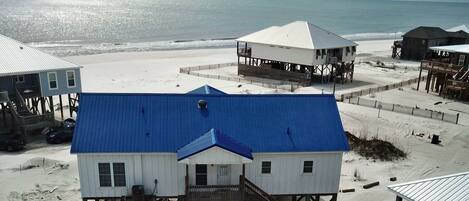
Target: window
200, 174
266, 167
307, 166
19, 79
107, 177
323, 53
71, 79
104, 174
354, 49
52, 80
318, 53
462, 58
347, 51
118, 169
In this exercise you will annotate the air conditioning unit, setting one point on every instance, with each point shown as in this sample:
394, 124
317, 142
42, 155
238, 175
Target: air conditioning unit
138, 193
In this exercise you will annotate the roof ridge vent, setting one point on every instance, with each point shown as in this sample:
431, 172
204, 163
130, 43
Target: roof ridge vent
202, 104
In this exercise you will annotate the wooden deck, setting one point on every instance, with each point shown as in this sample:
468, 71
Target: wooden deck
440, 67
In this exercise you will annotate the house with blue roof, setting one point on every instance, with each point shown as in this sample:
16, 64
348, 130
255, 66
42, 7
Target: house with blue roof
208, 145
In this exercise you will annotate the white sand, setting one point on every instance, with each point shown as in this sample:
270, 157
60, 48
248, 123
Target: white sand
158, 72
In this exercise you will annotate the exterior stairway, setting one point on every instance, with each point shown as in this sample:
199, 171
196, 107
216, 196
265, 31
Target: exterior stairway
245, 191
24, 119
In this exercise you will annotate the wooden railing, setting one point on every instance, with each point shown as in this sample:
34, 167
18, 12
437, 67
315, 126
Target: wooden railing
440, 66
214, 193
244, 52
253, 192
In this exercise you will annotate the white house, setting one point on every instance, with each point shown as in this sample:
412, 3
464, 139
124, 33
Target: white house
299, 49
208, 145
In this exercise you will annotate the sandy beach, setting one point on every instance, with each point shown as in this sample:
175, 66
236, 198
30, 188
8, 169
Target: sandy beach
44, 172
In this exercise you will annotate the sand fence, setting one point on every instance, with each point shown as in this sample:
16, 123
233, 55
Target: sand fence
415, 111
274, 84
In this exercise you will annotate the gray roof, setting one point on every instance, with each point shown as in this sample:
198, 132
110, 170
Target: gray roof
453, 187
17, 58
426, 33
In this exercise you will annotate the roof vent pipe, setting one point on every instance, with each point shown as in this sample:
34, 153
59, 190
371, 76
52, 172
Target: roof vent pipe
202, 104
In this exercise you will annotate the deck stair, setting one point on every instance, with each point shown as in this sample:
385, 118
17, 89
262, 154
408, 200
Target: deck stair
253, 192
24, 119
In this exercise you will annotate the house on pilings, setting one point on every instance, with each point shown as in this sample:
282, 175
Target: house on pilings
447, 71
298, 51
416, 43
30, 81
208, 146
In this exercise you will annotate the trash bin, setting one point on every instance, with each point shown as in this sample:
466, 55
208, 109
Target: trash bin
436, 139
138, 193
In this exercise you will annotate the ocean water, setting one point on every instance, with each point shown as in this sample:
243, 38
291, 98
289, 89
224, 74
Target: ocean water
71, 27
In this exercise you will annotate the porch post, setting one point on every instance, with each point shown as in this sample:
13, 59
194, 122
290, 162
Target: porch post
187, 181
51, 104
70, 105
244, 170
61, 107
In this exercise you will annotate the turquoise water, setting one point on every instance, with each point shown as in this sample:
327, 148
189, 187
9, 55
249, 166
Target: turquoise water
68, 27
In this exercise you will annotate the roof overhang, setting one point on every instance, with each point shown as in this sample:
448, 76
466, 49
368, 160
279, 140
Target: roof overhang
464, 49
215, 155
37, 71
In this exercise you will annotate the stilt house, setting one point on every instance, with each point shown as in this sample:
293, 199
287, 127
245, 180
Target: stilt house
298, 51
416, 43
448, 71
208, 146
29, 81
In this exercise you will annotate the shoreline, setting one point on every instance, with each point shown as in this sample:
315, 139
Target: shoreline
83, 48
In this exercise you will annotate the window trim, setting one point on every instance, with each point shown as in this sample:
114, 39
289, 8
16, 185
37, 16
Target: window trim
110, 175
461, 58
111, 166
262, 167
74, 79
56, 81
17, 79
303, 167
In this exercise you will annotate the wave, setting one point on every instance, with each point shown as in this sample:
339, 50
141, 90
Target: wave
76, 47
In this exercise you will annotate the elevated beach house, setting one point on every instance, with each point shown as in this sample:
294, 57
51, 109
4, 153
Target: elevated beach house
208, 145
298, 51
416, 43
29, 82
447, 71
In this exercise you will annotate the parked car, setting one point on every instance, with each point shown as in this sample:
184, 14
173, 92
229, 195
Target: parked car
12, 141
60, 134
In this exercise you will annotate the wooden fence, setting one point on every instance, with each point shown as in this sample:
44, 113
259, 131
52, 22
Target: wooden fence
282, 85
415, 111
372, 90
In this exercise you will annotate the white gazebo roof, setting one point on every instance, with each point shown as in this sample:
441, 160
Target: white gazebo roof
449, 187
453, 48
17, 58
298, 34
461, 27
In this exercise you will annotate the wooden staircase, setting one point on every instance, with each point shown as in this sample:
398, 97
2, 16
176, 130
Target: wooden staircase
245, 191
251, 192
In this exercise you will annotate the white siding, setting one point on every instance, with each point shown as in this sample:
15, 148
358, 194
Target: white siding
286, 176
294, 55
291, 55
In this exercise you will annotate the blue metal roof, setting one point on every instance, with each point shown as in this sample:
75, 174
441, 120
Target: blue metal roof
206, 89
129, 123
211, 139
